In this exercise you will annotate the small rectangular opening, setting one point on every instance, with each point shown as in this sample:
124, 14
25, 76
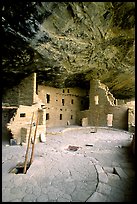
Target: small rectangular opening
47, 116
48, 98
63, 101
63, 91
22, 115
71, 117
68, 90
72, 101
60, 116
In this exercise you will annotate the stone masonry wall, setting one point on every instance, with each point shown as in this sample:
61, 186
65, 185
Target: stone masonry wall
27, 101
22, 119
23, 94
81, 115
63, 104
11, 97
63, 107
120, 116
131, 119
106, 105
27, 90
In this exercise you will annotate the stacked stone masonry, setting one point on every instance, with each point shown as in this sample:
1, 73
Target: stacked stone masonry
62, 107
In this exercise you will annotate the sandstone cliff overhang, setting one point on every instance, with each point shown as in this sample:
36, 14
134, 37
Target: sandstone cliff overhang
69, 43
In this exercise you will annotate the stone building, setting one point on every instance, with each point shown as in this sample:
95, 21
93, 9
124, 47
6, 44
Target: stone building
104, 110
60, 107
63, 105
19, 104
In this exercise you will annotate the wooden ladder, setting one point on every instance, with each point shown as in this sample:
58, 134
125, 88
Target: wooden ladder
28, 145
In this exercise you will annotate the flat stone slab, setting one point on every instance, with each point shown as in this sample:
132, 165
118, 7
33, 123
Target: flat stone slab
103, 177
120, 172
108, 169
97, 197
103, 188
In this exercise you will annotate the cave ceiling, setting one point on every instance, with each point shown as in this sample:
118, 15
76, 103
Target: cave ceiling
69, 43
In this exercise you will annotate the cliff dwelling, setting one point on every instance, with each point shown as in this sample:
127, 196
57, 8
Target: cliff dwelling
58, 107
68, 78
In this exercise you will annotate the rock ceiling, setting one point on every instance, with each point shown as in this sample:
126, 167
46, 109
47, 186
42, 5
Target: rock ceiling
69, 43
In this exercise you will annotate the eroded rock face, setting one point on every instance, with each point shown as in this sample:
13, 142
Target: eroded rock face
69, 43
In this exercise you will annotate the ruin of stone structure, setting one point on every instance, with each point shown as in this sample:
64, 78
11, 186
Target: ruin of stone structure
61, 107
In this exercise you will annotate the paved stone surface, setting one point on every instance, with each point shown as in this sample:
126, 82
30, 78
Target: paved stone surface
101, 170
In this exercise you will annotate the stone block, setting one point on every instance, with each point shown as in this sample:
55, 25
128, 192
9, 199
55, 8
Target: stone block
84, 122
42, 137
113, 179
99, 169
120, 172
97, 197
103, 177
103, 188
108, 169
94, 160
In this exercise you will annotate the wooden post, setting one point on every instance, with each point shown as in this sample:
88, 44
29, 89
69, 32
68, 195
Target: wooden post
26, 156
32, 153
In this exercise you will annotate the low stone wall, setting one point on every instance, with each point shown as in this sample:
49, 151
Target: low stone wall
22, 119
25, 131
105, 106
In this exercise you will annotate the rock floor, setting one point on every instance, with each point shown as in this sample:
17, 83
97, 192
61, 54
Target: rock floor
100, 169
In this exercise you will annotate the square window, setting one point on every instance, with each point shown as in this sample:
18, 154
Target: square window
22, 115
